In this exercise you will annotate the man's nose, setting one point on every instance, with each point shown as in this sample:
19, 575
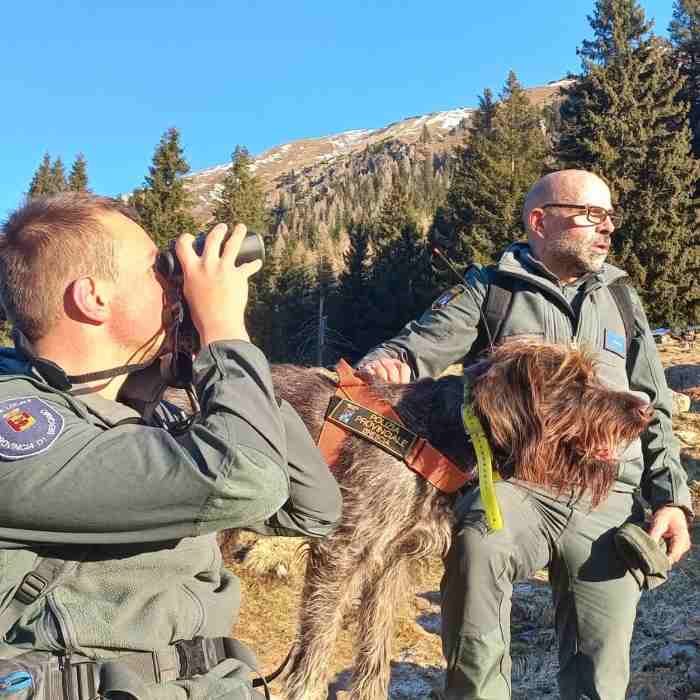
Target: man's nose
607, 225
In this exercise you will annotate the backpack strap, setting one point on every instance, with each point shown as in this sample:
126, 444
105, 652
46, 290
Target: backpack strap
622, 294
35, 585
496, 309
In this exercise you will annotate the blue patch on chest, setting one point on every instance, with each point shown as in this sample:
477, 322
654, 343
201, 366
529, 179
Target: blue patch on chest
28, 426
614, 342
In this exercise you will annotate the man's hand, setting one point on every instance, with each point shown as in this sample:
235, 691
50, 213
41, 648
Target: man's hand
669, 523
387, 369
215, 289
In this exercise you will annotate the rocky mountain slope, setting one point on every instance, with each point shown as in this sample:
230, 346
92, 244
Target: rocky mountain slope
315, 185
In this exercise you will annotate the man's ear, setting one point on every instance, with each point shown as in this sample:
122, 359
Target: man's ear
535, 218
87, 300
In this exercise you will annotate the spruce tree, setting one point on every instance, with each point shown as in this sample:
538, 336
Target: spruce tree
427, 190
623, 120
504, 155
242, 198
619, 26
263, 310
350, 313
295, 308
396, 212
78, 179
401, 284
326, 285
58, 177
41, 181
685, 35
163, 202
49, 179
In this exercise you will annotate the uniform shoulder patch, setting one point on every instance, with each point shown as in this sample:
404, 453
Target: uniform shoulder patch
614, 342
448, 297
28, 426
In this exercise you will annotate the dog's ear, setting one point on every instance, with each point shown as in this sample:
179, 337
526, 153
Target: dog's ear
506, 403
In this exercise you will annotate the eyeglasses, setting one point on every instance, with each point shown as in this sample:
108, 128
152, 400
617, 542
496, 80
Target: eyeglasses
596, 215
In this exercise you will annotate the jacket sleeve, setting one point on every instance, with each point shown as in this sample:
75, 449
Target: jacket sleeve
664, 480
134, 483
314, 505
443, 335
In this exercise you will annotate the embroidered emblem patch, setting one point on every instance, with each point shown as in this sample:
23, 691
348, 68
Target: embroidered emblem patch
614, 342
28, 426
447, 297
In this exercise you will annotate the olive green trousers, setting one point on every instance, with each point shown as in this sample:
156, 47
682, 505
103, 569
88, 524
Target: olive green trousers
595, 597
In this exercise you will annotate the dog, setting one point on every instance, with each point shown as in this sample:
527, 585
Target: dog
549, 421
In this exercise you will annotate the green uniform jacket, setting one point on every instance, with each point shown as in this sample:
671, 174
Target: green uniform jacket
134, 510
585, 312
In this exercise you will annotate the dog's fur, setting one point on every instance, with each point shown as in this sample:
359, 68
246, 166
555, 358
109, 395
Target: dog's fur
550, 421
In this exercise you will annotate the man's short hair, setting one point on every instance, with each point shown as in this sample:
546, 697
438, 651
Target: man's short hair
46, 244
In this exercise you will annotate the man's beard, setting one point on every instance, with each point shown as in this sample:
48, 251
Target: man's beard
576, 257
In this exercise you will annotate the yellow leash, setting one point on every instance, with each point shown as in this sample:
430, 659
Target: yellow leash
484, 460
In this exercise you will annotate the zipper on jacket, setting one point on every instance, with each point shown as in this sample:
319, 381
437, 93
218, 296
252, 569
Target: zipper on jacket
60, 623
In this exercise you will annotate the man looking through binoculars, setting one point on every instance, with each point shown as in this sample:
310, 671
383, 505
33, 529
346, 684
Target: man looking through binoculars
109, 524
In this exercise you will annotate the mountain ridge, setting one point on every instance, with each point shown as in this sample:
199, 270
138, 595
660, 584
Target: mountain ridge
313, 182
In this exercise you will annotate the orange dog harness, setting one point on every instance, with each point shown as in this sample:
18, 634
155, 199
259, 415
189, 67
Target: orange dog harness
357, 410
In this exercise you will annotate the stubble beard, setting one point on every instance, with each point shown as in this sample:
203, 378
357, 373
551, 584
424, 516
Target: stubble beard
575, 258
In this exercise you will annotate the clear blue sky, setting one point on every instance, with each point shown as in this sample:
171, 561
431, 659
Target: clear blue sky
108, 78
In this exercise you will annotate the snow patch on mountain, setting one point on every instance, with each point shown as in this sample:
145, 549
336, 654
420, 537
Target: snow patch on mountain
449, 120
350, 138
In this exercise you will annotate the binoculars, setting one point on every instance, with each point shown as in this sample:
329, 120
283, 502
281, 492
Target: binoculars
168, 265
185, 337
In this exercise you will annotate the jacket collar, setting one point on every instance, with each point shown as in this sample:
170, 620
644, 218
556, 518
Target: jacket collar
21, 360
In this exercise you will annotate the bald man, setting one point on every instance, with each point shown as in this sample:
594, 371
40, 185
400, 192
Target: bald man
559, 289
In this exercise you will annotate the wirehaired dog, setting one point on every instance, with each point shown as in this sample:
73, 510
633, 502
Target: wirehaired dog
549, 421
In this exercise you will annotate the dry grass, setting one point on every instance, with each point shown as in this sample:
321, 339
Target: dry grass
666, 638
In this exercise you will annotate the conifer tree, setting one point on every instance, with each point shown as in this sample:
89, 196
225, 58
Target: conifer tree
401, 277
50, 178
401, 282
58, 177
619, 27
623, 120
396, 212
242, 199
262, 313
685, 35
326, 285
350, 313
504, 155
427, 184
78, 179
295, 307
41, 182
163, 202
